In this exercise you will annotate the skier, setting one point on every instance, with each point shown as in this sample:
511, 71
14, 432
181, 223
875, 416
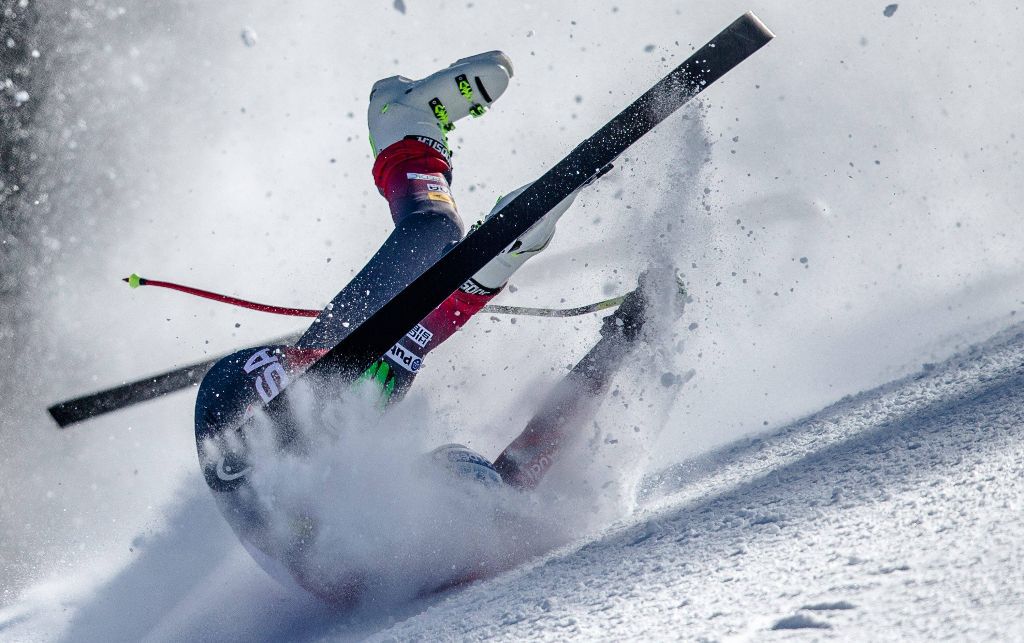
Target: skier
408, 122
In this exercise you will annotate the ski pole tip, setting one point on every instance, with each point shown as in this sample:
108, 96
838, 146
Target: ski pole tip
133, 280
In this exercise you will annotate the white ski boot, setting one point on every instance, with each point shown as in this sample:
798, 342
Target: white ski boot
497, 272
427, 109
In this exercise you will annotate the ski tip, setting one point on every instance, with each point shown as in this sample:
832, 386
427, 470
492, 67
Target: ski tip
62, 415
753, 23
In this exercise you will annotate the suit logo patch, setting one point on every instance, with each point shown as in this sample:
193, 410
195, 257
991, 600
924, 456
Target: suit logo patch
405, 358
420, 335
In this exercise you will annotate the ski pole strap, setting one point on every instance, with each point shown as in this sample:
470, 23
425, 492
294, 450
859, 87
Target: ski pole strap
134, 281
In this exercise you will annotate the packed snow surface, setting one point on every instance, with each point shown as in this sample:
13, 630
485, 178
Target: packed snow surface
892, 514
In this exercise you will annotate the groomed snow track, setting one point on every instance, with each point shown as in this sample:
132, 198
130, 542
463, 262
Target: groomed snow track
893, 514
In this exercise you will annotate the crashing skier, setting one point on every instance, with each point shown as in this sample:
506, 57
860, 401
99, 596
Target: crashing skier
369, 343
408, 123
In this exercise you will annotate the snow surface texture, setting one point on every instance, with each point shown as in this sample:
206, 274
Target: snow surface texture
858, 218
890, 515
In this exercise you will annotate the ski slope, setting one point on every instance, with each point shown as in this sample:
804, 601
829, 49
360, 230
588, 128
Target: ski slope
844, 208
893, 514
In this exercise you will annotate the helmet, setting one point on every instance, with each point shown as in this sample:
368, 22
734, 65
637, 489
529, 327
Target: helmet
464, 463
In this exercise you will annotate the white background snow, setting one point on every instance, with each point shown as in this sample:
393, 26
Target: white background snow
855, 226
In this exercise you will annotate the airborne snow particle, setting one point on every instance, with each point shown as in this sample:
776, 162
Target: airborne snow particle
803, 259
400, 6
21, 96
649, 48
889, 10
249, 37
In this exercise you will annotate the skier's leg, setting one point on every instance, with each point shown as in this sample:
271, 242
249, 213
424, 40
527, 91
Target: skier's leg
572, 403
236, 384
399, 366
412, 171
408, 122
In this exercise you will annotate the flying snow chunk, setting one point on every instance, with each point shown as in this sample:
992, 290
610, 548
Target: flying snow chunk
889, 10
249, 37
21, 96
400, 6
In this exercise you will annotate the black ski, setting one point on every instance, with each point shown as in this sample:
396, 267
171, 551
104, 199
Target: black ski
148, 388
371, 339
124, 395
368, 340
381, 330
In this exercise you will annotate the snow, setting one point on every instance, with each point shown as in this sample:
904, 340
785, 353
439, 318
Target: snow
837, 453
249, 37
895, 513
